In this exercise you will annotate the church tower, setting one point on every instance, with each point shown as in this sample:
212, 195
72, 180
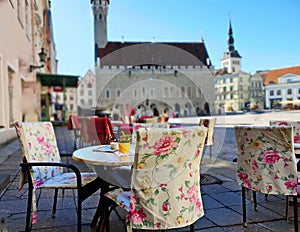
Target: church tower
100, 10
231, 60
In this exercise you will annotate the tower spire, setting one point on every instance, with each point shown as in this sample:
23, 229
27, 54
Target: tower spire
230, 40
231, 60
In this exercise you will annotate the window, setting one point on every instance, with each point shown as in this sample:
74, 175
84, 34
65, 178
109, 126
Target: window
278, 92
71, 97
165, 92
172, 92
89, 85
135, 93
224, 96
231, 96
81, 92
271, 92
27, 20
151, 93
298, 91
231, 88
118, 93
107, 94
20, 12
90, 102
11, 99
188, 91
182, 92
224, 89
71, 107
143, 91
289, 91
231, 80
90, 93
198, 92
82, 102
224, 81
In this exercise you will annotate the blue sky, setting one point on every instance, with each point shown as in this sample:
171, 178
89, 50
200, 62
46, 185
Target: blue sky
266, 32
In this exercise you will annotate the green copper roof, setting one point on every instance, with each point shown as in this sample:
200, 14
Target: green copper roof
57, 80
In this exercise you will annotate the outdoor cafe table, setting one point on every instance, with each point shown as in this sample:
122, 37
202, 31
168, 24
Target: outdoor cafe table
103, 163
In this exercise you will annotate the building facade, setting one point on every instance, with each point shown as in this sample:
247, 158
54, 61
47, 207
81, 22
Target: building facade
25, 28
257, 96
86, 94
173, 76
232, 92
285, 93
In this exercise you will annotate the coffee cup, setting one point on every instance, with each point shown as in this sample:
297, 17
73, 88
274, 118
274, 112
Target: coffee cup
114, 146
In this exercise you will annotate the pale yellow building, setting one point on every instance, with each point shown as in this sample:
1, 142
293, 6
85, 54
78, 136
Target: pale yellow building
236, 90
232, 92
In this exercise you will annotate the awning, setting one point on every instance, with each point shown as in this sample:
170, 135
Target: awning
286, 102
290, 102
52, 80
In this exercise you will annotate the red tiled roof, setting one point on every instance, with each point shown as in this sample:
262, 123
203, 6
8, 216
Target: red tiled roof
139, 53
273, 75
221, 72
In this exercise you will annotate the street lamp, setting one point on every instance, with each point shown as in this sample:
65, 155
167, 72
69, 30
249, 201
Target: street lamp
42, 56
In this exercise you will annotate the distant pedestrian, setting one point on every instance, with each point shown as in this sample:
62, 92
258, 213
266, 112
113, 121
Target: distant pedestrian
155, 112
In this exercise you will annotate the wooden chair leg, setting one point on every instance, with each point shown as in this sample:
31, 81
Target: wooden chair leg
54, 203
29, 205
244, 207
79, 204
295, 206
254, 200
266, 197
287, 208
192, 227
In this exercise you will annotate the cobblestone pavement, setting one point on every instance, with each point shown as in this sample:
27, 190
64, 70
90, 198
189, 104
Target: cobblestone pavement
222, 202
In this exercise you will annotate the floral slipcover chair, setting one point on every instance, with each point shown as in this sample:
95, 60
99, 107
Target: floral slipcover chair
266, 162
165, 190
38, 144
122, 174
209, 122
136, 126
296, 129
294, 124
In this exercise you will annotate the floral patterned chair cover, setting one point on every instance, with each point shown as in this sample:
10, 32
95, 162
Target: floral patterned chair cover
165, 190
209, 122
123, 173
137, 126
266, 162
38, 144
294, 124
296, 128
